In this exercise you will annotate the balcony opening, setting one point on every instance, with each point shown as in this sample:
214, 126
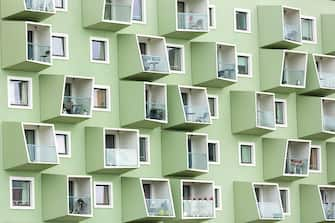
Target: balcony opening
328, 202
79, 192
292, 25
155, 102
40, 5
265, 110
226, 62
157, 196
118, 10
38, 43
198, 200
197, 152
325, 66
294, 69
154, 54
268, 201
297, 158
121, 148
328, 107
40, 143
77, 96
192, 15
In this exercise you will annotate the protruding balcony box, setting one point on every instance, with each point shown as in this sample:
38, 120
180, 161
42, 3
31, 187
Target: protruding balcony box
189, 158
317, 203
261, 202
194, 200
220, 67
110, 15
321, 75
286, 159
252, 112
150, 200
185, 19
143, 104
280, 27
26, 46
188, 107
287, 68
142, 57
316, 119
110, 150
29, 146
66, 98
31, 10
66, 198
328, 35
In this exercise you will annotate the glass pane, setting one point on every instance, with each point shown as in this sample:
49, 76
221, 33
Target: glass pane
283, 196
19, 92
61, 144
280, 113
21, 193
307, 29
217, 198
137, 10
110, 141
59, 4
314, 159
211, 17
58, 46
246, 154
241, 21
143, 149
243, 65
102, 194
175, 58
212, 152
100, 98
211, 102
98, 48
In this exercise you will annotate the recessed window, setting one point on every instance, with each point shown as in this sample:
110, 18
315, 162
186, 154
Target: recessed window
285, 200
213, 101
139, 11
315, 159
63, 143
99, 50
218, 198
309, 32
244, 65
144, 149
214, 152
247, 154
60, 46
212, 17
281, 113
19, 92
103, 195
101, 98
22, 193
176, 58
242, 20
61, 5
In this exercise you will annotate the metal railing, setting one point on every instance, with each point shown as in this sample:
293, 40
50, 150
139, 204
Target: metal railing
80, 205
296, 166
293, 77
197, 114
329, 209
77, 105
155, 111
270, 210
327, 80
122, 157
117, 12
159, 207
292, 32
37, 52
198, 208
155, 63
40, 5
227, 71
266, 119
329, 123
197, 161
192, 21
42, 153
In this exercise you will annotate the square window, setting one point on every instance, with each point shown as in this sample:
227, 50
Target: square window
212, 17
285, 200
144, 149
308, 29
22, 193
99, 50
139, 11
218, 198
60, 46
247, 154
242, 20
101, 98
213, 106
63, 143
281, 113
61, 5
19, 92
315, 159
244, 65
214, 152
176, 58
103, 195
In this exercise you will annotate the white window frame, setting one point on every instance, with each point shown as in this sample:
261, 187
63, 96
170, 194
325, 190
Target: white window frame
30, 92
68, 134
144, 14
148, 162
66, 46
182, 47
248, 20
216, 105
315, 32
108, 98
32, 191
64, 9
253, 154
288, 200
319, 157
218, 152
216, 187
250, 67
213, 7
106, 61
285, 112
110, 185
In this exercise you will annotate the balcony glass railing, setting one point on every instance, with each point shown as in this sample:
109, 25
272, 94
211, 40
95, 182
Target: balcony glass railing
192, 21
296, 166
292, 32
197, 114
293, 77
77, 105
159, 207
227, 71
122, 157
40, 5
329, 123
329, 209
155, 63
155, 111
327, 80
80, 205
270, 210
197, 161
117, 12
42, 153
40, 53
266, 119
198, 208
